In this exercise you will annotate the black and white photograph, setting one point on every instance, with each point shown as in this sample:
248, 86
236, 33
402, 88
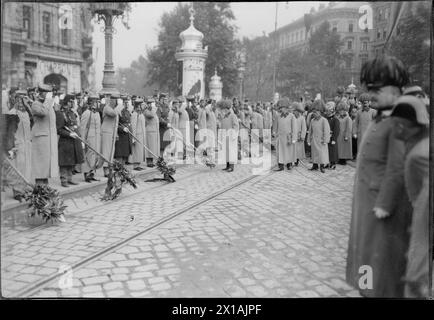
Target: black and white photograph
216, 150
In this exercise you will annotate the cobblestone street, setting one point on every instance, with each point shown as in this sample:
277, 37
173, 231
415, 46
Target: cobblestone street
210, 234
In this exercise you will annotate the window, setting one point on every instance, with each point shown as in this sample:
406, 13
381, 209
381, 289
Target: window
46, 27
350, 45
348, 63
365, 46
363, 60
384, 34
65, 36
335, 27
380, 14
386, 14
27, 14
378, 34
350, 27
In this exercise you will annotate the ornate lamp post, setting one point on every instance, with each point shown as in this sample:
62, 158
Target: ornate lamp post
108, 12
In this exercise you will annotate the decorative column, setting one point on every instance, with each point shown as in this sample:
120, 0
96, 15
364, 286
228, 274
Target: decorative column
193, 56
215, 87
108, 12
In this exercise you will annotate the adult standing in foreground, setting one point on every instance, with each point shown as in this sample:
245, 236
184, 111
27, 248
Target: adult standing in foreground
381, 211
411, 125
45, 163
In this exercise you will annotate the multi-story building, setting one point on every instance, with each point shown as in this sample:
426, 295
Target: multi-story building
344, 20
384, 13
46, 43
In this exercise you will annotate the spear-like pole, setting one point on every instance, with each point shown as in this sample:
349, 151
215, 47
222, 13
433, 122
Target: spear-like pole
163, 167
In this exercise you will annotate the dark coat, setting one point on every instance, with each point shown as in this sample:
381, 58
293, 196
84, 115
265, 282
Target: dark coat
380, 244
163, 118
123, 146
334, 135
70, 150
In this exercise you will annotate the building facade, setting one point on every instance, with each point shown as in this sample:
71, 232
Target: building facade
344, 20
46, 43
384, 14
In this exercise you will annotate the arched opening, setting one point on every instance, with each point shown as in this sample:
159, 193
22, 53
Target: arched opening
57, 80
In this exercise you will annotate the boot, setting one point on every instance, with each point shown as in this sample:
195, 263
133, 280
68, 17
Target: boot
280, 168
231, 167
296, 162
332, 166
227, 167
106, 172
72, 182
149, 163
87, 178
289, 166
321, 168
314, 167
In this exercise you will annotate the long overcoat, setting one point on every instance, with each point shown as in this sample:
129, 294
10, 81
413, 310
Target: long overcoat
211, 125
286, 134
45, 161
90, 130
23, 144
138, 129
361, 122
377, 247
300, 132
334, 134
230, 129
109, 132
184, 124
417, 185
123, 144
152, 133
345, 145
70, 149
319, 137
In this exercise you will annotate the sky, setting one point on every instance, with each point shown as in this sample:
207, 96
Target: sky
252, 19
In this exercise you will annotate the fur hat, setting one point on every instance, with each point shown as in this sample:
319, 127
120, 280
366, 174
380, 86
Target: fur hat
318, 105
284, 102
384, 71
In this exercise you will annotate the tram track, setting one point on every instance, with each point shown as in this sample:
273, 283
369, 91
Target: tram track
34, 288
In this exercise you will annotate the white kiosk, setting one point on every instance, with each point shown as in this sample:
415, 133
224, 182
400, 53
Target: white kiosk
215, 87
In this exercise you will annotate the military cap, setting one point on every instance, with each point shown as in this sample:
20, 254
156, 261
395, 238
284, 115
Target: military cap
190, 98
342, 105
412, 90
137, 102
123, 96
115, 96
133, 97
45, 88
411, 108
68, 97
176, 101
31, 89
364, 97
284, 102
93, 96
21, 92
297, 106
224, 104
150, 100
318, 105
163, 95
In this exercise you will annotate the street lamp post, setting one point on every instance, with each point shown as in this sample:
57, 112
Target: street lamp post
108, 12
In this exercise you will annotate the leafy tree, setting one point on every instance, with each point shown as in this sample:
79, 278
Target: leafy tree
258, 76
135, 78
215, 21
316, 68
412, 44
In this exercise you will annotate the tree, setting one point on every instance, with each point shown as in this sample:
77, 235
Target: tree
215, 21
134, 78
316, 68
412, 44
258, 76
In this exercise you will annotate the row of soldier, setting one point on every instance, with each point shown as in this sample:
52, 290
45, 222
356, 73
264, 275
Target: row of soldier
138, 129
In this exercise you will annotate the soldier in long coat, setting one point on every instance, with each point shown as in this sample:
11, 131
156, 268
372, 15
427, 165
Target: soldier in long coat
300, 132
381, 214
211, 126
124, 141
286, 135
411, 125
345, 145
230, 128
70, 148
44, 137
257, 130
318, 139
90, 131
152, 132
163, 110
138, 129
23, 136
109, 132
192, 116
184, 127
172, 134
334, 134
363, 118
245, 117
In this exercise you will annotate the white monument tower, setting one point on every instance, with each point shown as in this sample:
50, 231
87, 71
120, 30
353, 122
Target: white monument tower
215, 87
193, 56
